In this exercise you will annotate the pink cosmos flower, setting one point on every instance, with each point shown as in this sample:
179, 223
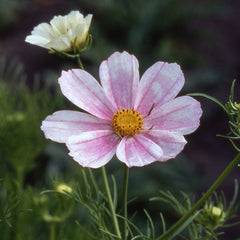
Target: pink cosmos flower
139, 121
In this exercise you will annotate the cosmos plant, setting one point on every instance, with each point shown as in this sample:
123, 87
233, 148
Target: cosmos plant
140, 120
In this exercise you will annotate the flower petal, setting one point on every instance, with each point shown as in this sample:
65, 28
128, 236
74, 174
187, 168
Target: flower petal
159, 84
81, 29
44, 30
172, 143
37, 40
93, 149
181, 114
59, 24
61, 43
41, 35
120, 79
85, 92
74, 18
88, 20
138, 151
79, 33
62, 124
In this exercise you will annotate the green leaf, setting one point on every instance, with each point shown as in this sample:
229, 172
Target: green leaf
183, 226
208, 97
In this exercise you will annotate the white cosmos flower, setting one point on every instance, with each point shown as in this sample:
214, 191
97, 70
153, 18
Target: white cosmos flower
62, 32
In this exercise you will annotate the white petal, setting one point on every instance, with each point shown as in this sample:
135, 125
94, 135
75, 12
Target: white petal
79, 33
88, 20
74, 18
62, 43
37, 40
59, 24
44, 30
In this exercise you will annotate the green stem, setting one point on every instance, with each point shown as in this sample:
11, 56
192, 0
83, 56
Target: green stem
201, 201
80, 62
52, 231
125, 191
110, 201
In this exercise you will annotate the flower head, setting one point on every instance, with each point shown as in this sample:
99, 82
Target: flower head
63, 33
139, 121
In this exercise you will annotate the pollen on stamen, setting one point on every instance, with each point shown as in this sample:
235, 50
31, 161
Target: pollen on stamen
127, 122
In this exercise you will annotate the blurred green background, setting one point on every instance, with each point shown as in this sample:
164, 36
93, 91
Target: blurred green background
202, 36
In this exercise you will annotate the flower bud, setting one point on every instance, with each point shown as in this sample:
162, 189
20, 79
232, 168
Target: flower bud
216, 212
63, 188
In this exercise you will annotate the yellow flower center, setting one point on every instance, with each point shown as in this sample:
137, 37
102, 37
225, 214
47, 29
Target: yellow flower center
127, 122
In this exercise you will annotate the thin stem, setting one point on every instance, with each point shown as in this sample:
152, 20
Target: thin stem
52, 231
110, 201
125, 191
201, 201
80, 62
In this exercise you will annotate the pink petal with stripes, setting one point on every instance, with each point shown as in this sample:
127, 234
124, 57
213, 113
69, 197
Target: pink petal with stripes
181, 114
62, 124
93, 149
171, 143
120, 79
138, 151
158, 85
85, 92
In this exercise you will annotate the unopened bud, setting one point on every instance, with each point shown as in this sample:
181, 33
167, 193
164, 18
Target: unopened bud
216, 211
64, 188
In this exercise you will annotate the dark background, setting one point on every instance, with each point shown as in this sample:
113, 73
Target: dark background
202, 36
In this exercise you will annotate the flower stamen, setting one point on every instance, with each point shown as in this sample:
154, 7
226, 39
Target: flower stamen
151, 109
127, 122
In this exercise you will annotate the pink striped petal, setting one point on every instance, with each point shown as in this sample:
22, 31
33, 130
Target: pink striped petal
93, 149
138, 151
120, 79
181, 114
172, 143
62, 124
85, 92
159, 84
